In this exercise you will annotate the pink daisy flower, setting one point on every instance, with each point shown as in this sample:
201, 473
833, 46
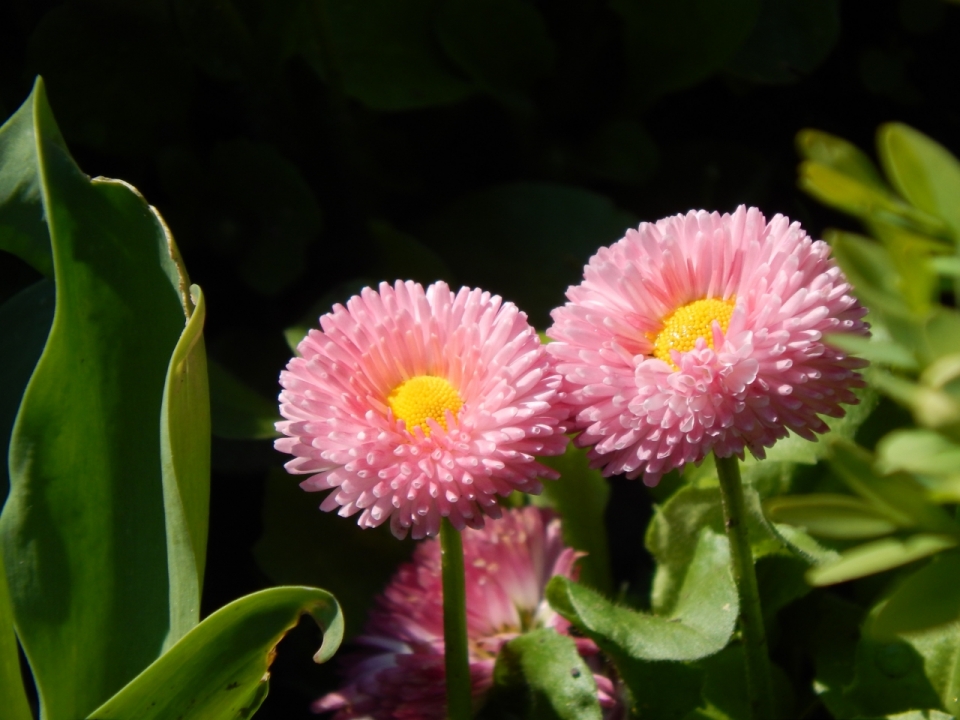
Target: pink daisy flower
400, 673
704, 332
417, 405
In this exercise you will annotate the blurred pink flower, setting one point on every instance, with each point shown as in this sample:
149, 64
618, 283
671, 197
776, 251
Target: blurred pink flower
400, 673
704, 332
417, 405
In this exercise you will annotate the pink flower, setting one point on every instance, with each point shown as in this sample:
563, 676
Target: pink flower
417, 405
400, 672
704, 332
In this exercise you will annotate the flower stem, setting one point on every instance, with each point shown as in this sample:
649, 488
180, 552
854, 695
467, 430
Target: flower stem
459, 704
759, 684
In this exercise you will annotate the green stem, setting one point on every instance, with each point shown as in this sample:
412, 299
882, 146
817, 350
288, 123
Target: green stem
759, 684
459, 705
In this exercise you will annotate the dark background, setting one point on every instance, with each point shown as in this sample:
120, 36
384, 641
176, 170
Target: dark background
300, 149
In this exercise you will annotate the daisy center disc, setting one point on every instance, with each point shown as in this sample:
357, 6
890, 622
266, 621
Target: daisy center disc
686, 324
422, 397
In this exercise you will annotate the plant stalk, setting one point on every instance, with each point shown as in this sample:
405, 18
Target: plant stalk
753, 633
459, 699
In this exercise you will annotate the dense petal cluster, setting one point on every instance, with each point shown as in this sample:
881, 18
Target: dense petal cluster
419, 404
652, 390
399, 672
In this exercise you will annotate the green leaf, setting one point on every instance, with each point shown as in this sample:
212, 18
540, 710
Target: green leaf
834, 651
791, 38
329, 549
185, 458
238, 412
841, 156
699, 624
725, 688
85, 453
559, 682
918, 451
673, 44
386, 55
220, 669
552, 228
926, 599
832, 516
497, 43
15, 705
883, 352
922, 171
877, 556
24, 325
872, 272
23, 229
580, 496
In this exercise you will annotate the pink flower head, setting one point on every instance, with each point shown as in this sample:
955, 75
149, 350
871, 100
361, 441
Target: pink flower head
400, 672
417, 405
704, 332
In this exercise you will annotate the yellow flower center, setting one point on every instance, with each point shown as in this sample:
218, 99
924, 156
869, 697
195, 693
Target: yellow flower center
422, 397
689, 322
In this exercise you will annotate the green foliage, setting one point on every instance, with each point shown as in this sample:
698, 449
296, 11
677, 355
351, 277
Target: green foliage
219, 670
548, 670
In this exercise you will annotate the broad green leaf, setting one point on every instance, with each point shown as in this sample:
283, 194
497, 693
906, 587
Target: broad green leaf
220, 669
85, 453
922, 171
872, 272
15, 705
559, 682
725, 688
832, 516
185, 458
884, 352
942, 341
918, 451
931, 714
898, 497
580, 496
673, 44
661, 690
879, 555
553, 228
699, 624
497, 43
24, 325
386, 55
926, 599
301, 545
23, 229
238, 412
841, 156
791, 38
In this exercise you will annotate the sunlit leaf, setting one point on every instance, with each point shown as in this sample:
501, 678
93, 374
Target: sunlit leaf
926, 599
699, 624
560, 685
85, 453
832, 516
918, 451
885, 352
185, 459
877, 556
842, 156
220, 669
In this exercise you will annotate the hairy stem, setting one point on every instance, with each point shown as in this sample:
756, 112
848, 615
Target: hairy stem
459, 706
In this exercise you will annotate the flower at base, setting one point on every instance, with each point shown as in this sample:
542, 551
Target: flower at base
704, 332
417, 405
400, 671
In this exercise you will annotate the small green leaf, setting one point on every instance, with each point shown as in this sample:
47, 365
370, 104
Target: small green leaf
884, 352
922, 171
497, 43
553, 228
832, 516
185, 458
236, 411
219, 670
85, 454
580, 496
872, 272
926, 599
700, 623
918, 451
878, 556
791, 38
841, 156
386, 54
559, 682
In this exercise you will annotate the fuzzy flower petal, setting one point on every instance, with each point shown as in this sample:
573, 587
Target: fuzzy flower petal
415, 404
704, 332
399, 671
